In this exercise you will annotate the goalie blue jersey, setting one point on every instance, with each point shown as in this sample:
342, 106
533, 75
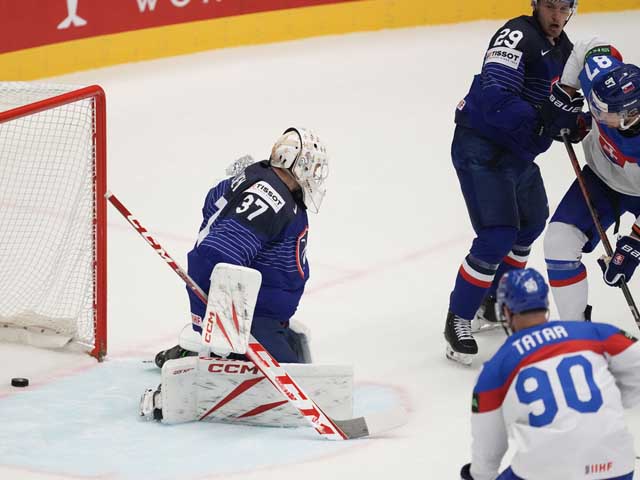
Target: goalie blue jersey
504, 99
253, 220
558, 391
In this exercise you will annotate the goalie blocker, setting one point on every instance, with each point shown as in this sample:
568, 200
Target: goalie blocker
235, 391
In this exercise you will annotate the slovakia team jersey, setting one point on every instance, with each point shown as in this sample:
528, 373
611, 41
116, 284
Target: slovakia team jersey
557, 391
254, 220
610, 154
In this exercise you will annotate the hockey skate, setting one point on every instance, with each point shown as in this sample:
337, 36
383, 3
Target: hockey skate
485, 318
461, 346
171, 354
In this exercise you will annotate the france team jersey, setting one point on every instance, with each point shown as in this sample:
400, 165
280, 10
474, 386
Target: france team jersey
558, 391
254, 220
518, 69
610, 154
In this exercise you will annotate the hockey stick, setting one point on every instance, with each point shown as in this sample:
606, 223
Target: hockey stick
596, 220
327, 427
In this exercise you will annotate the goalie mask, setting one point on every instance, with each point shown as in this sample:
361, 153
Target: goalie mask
303, 154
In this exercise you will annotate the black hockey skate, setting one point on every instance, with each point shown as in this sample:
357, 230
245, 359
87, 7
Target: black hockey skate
171, 354
461, 346
485, 318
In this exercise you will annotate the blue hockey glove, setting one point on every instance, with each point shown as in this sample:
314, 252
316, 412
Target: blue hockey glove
623, 263
465, 472
561, 112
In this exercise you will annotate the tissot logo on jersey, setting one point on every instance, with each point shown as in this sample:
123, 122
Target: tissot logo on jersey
268, 194
504, 56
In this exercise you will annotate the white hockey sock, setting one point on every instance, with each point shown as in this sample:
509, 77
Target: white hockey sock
571, 300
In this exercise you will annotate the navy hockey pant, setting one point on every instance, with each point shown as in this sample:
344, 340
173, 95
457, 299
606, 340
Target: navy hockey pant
508, 209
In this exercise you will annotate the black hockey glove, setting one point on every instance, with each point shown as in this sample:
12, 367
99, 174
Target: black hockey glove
465, 472
623, 263
561, 112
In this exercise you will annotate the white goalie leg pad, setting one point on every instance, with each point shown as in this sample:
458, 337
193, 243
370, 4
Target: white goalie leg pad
234, 391
564, 242
232, 298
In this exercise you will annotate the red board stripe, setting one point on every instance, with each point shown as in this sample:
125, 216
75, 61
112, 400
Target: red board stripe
32, 23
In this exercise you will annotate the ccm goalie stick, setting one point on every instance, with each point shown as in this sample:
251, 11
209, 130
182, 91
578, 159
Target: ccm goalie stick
596, 220
327, 427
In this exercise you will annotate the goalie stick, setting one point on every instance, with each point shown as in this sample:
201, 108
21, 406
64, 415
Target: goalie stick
327, 427
596, 220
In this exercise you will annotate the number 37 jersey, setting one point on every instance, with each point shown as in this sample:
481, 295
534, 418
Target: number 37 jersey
254, 220
558, 390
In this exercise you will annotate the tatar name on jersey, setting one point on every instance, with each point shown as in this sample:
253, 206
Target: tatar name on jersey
537, 338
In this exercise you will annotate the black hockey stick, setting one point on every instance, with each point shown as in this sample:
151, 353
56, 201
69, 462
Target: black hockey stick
326, 426
596, 221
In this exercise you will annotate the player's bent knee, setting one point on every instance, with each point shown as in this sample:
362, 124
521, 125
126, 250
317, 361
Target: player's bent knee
493, 243
563, 242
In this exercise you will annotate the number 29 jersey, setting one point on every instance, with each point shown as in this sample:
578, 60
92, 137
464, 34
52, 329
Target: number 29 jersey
558, 390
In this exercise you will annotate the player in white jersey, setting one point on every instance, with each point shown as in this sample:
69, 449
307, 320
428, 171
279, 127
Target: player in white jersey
612, 176
557, 390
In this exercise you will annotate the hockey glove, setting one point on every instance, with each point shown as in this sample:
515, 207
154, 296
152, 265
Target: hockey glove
465, 472
561, 112
623, 263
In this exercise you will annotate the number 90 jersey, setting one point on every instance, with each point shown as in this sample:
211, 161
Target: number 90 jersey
558, 391
254, 220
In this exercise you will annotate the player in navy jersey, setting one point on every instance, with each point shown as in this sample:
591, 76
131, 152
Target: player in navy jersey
612, 176
499, 132
258, 219
557, 390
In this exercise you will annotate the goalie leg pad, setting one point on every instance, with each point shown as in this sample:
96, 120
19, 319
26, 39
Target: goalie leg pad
235, 391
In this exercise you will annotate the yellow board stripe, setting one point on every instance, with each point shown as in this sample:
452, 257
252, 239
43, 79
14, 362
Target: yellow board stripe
258, 28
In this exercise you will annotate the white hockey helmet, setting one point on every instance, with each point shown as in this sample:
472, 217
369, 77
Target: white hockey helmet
302, 153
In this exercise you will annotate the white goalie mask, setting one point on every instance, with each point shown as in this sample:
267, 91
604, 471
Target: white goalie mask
302, 153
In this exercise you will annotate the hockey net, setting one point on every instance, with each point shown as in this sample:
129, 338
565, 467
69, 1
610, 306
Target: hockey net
53, 216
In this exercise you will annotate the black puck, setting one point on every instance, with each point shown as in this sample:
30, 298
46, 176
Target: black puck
19, 382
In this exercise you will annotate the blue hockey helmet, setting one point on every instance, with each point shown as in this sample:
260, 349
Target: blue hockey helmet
522, 291
615, 97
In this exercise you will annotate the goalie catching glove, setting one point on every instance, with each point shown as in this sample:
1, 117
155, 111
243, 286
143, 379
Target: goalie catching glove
623, 263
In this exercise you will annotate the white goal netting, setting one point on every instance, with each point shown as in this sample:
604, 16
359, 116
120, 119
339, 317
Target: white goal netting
47, 218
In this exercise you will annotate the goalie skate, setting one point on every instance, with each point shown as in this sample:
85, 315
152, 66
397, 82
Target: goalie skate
485, 318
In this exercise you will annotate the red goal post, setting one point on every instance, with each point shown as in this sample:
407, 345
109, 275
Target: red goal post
53, 243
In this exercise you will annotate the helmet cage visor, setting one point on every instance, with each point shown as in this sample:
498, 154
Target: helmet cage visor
567, 7
622, 117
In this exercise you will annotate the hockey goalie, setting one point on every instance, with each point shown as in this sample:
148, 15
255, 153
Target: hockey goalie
251, 258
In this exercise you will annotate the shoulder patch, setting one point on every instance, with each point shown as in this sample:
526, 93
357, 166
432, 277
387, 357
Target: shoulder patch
607, 50
268, 194
508, 57
628, 335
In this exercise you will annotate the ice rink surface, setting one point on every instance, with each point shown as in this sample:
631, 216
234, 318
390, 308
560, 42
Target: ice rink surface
384, 252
